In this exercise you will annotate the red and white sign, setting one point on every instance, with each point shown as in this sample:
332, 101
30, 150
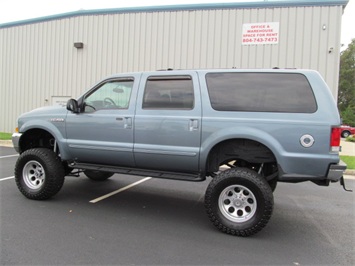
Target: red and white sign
260, 33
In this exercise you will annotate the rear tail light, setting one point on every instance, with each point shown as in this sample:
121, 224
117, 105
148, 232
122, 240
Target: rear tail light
335, 139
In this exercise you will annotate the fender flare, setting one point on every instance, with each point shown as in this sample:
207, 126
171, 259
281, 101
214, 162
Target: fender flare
50, 128
248, 133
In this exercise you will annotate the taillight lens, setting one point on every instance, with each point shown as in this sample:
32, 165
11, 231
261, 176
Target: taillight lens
335, 139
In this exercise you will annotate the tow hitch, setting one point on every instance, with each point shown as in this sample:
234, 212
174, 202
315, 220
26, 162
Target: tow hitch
342, 182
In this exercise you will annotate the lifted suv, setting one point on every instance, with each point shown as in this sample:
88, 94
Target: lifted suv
247, 129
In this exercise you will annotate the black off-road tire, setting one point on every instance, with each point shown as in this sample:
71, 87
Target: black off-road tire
39, 173
97, 175
239, 202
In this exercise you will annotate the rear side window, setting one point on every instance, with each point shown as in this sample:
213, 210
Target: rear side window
261, 92
169, 92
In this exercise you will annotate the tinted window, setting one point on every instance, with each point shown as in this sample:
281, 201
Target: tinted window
260, 92
169, 92
114, 94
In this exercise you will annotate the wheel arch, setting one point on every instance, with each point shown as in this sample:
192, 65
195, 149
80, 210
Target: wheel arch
260, 140
37, 134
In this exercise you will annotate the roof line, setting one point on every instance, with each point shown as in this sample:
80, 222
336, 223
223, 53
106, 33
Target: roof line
238, 5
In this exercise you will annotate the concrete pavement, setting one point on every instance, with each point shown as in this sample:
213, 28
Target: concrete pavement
347, 148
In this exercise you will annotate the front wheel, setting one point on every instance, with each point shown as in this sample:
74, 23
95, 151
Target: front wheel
39, 174
239, 202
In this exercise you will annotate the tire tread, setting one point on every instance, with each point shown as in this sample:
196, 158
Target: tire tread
257, 180
53, 169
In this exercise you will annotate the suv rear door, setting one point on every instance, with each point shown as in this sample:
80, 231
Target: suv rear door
168, 122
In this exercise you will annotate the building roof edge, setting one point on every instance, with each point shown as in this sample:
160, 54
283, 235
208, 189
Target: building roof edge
170, 8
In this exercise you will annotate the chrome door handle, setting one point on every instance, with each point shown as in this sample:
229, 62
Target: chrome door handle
193, 125
128, 122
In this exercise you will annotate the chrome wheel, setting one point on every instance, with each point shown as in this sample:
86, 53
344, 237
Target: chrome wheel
39, 173
33, 175
237, 203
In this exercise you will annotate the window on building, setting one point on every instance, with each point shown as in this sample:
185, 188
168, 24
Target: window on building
260, 92
169, 92
114, 94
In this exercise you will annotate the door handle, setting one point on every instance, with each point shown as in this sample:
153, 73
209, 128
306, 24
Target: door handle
193, 125
128, 122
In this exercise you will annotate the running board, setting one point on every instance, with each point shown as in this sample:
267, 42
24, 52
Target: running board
139, 172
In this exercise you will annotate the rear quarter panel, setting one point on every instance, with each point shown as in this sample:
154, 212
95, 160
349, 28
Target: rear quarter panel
280, 132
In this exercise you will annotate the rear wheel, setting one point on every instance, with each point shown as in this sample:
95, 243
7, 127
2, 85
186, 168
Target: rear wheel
39, 173
239, 202
97, 175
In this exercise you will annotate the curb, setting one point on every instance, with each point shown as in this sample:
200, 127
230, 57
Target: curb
6, 143
349, 172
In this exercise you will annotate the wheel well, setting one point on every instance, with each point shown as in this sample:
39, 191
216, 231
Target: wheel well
243, 152
36, 138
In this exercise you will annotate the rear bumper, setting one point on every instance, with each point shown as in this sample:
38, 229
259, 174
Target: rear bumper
15, 141
334, 174
336, 171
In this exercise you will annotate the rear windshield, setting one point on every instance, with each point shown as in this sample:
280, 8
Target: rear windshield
261, 92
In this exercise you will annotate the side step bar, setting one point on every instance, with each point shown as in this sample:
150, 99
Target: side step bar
138, 172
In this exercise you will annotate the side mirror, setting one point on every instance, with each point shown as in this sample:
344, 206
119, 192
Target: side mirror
72, 105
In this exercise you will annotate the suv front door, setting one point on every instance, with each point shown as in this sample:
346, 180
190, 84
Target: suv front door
103, 130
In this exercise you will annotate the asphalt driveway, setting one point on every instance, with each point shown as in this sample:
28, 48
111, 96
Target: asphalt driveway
163, 222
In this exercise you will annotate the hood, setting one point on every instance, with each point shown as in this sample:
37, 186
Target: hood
48, 118
45, 111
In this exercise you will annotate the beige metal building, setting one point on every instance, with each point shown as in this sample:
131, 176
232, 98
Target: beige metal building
47, 60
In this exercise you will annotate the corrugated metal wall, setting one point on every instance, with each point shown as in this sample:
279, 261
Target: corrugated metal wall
39, 61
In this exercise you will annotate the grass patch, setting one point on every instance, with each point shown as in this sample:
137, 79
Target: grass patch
351, 138
5, 136
349, 160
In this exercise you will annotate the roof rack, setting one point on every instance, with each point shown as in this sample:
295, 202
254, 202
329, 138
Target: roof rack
168, 69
